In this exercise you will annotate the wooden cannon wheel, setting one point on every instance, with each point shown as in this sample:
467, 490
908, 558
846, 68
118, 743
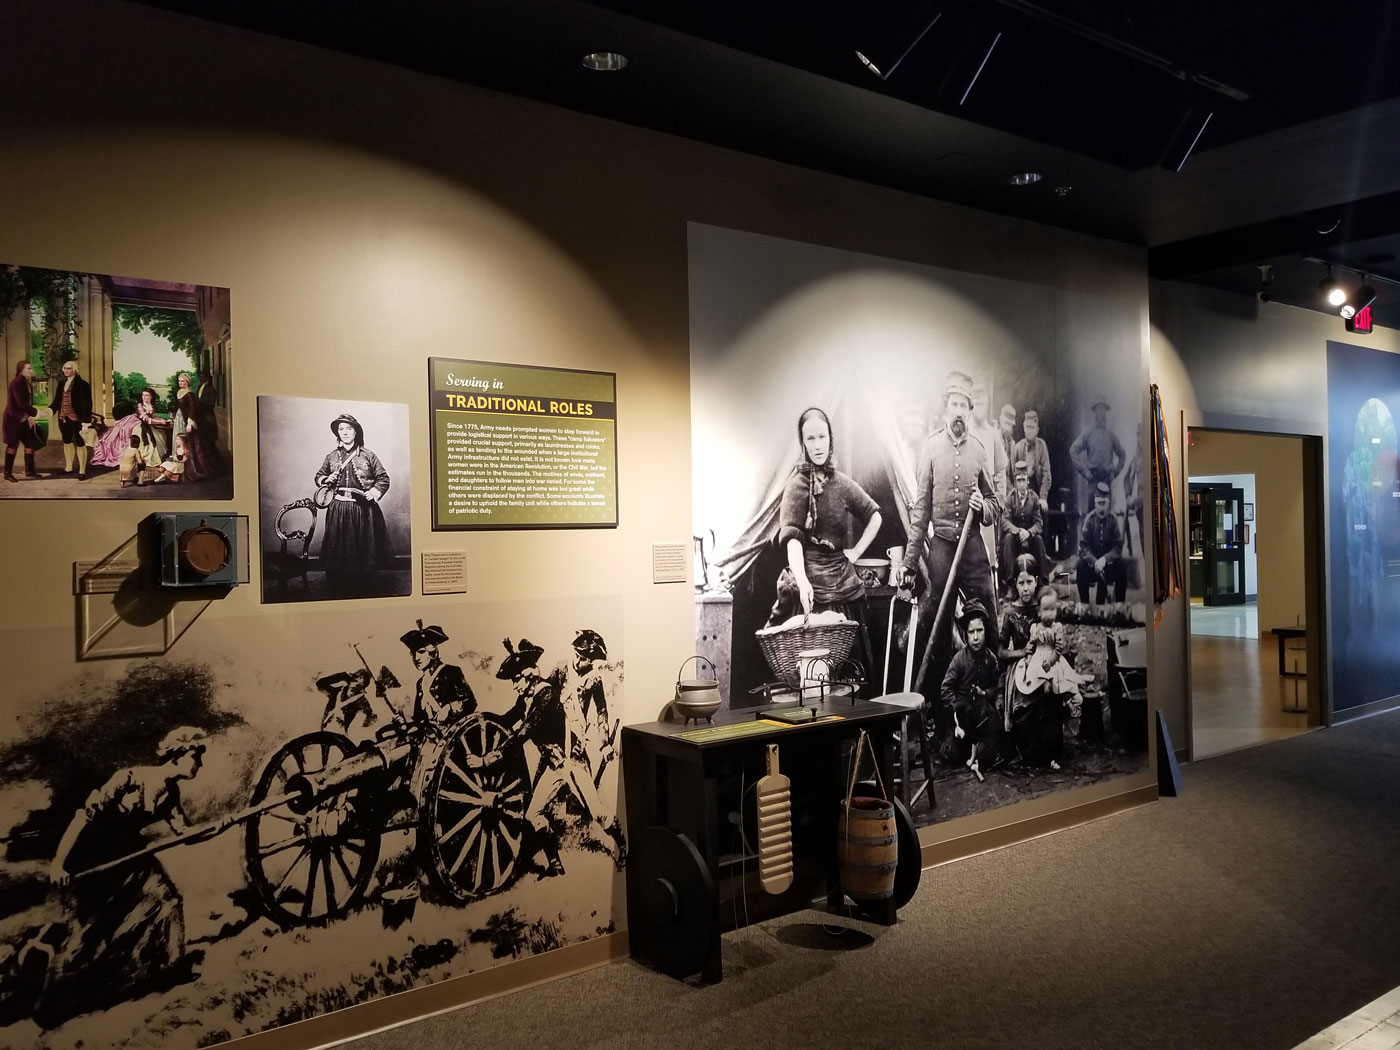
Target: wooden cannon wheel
309, 865
472, 827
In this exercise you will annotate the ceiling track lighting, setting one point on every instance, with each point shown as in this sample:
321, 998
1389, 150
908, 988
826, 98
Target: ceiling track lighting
1363, 297
1354, 307
972, 58
1332, 289
888, 46
1188, 131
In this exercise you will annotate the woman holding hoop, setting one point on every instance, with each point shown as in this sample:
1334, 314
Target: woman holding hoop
350, 484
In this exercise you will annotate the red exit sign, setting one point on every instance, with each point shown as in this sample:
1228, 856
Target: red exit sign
1361, 323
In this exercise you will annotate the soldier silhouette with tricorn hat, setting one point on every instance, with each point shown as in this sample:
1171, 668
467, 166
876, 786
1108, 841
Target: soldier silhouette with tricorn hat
540, 716
443, 694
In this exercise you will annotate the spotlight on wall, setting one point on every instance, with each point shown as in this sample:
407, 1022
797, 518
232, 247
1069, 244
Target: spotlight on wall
1363, 297
886, 46
1332, 289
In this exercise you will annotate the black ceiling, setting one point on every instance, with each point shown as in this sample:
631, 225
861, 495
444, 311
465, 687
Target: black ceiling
1299, 160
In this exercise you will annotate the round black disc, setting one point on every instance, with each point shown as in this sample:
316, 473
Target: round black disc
672, 889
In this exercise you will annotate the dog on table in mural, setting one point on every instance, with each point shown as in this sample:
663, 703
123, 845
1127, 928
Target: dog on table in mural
123, 931
553, 720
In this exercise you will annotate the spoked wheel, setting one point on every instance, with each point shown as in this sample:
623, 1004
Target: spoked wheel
472, 823
310, 865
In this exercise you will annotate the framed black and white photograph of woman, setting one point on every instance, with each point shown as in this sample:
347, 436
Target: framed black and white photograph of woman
333, 492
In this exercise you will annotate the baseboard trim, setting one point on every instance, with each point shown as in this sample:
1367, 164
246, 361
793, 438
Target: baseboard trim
1375, 707
393, 1011
965, 846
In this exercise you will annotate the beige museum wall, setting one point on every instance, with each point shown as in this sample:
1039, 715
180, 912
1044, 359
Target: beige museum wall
366, 218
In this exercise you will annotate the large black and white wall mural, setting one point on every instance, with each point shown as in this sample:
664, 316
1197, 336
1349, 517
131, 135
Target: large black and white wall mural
1363, 471
861, 424
204, 846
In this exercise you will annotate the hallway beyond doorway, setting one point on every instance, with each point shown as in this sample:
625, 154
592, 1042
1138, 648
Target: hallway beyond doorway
1238, 698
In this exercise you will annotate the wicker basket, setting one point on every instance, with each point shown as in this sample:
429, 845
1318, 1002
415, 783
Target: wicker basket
780, 648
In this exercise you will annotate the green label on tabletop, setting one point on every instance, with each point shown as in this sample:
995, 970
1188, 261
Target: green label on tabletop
708, 734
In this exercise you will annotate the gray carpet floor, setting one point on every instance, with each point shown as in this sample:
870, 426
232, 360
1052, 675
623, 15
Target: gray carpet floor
1254, 910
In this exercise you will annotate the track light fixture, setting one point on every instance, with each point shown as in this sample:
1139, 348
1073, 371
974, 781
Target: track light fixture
1332, 289
888, 45
1363, 297
1190, 126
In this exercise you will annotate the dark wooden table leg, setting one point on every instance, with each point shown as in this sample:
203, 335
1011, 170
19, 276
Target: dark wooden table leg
694, 811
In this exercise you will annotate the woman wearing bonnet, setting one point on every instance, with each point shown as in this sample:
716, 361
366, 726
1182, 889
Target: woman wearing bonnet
817, 505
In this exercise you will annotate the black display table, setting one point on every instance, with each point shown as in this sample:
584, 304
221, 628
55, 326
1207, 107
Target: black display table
673, 776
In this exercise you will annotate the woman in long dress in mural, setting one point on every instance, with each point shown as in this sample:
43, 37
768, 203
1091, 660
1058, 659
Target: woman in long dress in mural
817, 505
193, 421
350, 484
144, 424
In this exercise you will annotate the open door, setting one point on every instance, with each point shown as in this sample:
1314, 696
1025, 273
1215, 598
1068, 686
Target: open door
1217, 544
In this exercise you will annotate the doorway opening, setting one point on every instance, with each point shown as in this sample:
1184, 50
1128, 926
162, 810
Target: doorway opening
1251, 537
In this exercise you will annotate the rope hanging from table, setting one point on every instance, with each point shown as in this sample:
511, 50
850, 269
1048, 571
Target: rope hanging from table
1166, 543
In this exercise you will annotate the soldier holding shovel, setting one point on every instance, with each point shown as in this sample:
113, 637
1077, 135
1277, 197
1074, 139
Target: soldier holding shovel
954, 493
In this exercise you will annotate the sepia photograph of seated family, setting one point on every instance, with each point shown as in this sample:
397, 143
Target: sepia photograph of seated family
991, 562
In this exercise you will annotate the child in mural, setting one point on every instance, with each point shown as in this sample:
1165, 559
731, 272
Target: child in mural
969, 691
543, 717
172, 468
1018, 616
131, 464
127, 919
1044, 687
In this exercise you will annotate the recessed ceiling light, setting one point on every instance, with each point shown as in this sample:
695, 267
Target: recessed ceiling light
1024, 178
605, 61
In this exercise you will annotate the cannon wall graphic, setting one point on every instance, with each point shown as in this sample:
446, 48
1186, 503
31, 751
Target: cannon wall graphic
265, 828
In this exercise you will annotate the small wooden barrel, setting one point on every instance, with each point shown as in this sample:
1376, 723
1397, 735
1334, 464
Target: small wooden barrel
867, 848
